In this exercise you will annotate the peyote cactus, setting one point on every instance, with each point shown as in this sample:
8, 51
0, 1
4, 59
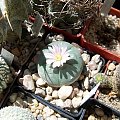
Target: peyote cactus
60, 64
4, 74
15, 113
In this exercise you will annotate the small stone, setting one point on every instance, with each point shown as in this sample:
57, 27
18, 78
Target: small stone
53, 101
35, 115
40, 92
92, 65
35, 76
39, 117
37, 111
49, 90
65, 91
59, 37
18, 102
48, 111
58, 115
80, 93
26, 72
60, 103
86, 83
92, 117
16, 52
13, 97
55, 94
99, 112
40, 82
32, 108
85, 93
40, 106
48, 98
76, 102
68, 103
96, 58
93, 73
111, 66
35, 102
86, 57
52, 117
28, 82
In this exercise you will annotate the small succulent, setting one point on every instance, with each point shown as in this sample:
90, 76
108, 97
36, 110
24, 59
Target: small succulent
103, 79
112, 82
60, 64
15, 113
4, 74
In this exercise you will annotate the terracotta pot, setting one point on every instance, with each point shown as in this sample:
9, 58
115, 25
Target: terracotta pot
107, 54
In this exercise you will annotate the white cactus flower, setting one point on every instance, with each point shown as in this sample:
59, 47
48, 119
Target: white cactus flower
57, 55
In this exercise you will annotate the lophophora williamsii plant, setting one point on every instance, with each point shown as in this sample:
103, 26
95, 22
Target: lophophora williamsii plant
15, 113
60, 64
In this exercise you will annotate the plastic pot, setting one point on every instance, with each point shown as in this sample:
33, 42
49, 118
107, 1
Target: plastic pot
97, 48
73, 114
16, 89
94, 103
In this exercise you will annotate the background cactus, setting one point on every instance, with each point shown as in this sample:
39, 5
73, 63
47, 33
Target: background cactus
65, 74
4, 74
111, 82
15, 113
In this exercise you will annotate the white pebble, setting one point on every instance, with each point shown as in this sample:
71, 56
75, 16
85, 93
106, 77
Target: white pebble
60, 103
96, 58
86, 83
35, 76
40, 82
49, 90
55, 94
65, 91
86, 57
28, 82
76, 102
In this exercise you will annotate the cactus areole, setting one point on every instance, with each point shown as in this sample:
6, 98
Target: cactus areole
60, 64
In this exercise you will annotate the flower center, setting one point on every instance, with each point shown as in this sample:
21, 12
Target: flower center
58, 57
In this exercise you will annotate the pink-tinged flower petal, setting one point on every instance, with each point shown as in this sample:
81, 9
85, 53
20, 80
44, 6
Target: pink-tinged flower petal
50, 61
57, 48
49, 55
56, 64
52, 50
65, 59
63, 50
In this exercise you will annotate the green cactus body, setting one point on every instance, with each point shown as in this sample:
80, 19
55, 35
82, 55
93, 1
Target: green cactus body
15, 113
103, 79
112, 82
63, 75
4, 74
